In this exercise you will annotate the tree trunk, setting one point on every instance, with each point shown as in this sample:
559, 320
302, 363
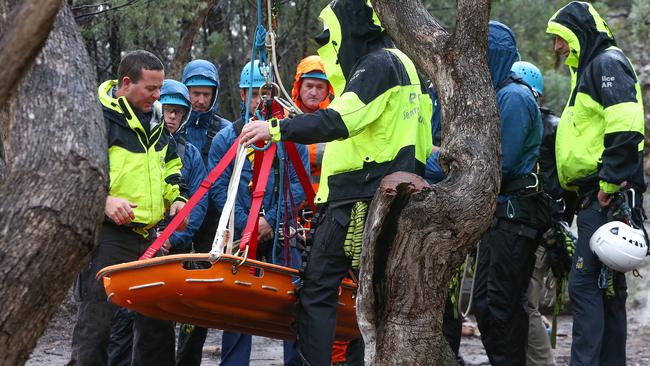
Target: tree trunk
53, 185
188, 34
417, 236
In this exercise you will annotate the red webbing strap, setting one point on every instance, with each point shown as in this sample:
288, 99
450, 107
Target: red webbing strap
294, 156
249, 237
215, 173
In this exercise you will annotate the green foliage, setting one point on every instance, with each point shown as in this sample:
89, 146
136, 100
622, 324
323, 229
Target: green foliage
225, 37
217, 46
556, 90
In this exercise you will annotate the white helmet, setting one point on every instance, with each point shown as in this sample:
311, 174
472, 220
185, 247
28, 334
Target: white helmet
619, 246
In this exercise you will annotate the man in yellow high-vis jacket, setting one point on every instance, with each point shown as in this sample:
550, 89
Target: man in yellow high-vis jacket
377, 124
598, 147
145, 180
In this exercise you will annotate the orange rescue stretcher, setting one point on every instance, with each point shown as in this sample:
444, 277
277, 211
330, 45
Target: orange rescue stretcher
233, 294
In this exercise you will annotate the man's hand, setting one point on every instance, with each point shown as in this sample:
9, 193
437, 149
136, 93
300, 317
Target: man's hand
119, 210
264, 230
166, 247
176, 208
255, 131
604, 199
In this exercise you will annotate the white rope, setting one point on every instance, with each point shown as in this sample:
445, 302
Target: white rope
270, 41
471, 291
223, 238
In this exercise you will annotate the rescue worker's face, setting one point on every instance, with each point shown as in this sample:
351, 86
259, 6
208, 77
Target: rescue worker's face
173, 115
201, 97
145, 92
312, 93
255, 100
561, 46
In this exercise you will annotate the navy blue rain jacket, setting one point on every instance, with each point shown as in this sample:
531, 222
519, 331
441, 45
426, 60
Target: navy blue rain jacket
218, 193
199, 123
521, 123
194, 173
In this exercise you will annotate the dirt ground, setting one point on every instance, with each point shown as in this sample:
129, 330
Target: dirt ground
54, 346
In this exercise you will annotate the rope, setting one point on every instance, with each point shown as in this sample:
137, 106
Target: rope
263, 41
274, 59
225, 229
276, 236
462, 280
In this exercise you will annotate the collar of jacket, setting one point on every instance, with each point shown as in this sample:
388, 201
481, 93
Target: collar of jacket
122, 106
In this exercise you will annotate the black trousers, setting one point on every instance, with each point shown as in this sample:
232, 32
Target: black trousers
318, 297
505, 265
599, 322
452, 327
153, 339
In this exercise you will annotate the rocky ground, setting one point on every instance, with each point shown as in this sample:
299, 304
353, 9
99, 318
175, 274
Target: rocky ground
54, 346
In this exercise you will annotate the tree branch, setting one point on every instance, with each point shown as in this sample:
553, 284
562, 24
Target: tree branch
118, 7
423, 37
184, 49
22, 40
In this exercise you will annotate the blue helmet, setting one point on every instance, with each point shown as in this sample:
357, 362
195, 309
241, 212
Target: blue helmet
245, 78
530, 74
200, 73
176, 93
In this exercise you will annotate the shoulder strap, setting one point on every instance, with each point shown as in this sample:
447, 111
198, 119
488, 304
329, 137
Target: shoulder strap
238, 125
180, 146
213, 130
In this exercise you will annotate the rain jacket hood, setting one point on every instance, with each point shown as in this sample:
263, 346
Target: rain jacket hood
584, 30
307, 65
502, 52
208, 70
352, 30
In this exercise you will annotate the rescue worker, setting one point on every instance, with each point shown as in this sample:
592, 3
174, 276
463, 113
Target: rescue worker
202, 80
506, 256
376, 125
141, 188
599, 149
236, 347
539, 351
176, 107
311, 92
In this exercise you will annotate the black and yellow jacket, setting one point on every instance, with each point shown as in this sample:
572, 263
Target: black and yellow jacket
379, 121
600, 135
144, 167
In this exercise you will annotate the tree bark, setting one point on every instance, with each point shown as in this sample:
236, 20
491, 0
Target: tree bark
415, 238
22, 39
188, 34
53, 185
